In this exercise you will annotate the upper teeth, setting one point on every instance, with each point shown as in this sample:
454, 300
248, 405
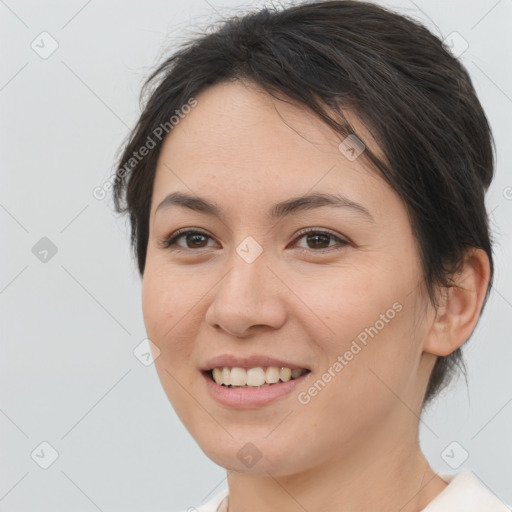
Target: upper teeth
254, 376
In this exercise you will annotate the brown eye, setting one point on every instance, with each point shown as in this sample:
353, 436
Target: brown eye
320, 241
193, 240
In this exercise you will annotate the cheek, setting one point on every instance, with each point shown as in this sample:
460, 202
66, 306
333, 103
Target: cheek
343, 304
161, 301
171, 319
381, 374
162, 307
154, 308
172, 305
370, 336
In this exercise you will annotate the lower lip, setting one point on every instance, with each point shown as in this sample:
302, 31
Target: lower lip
251, 397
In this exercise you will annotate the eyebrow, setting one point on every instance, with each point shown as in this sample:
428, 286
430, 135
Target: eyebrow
277, 211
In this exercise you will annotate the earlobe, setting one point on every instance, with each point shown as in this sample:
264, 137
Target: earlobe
460, 306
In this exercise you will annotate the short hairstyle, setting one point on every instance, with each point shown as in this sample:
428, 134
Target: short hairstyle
399, 79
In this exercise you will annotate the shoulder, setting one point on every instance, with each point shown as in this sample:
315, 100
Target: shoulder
465, 492
212, 505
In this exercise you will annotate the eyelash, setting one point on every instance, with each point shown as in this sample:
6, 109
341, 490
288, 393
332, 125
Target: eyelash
167, 242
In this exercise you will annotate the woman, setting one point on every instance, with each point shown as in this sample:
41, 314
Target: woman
306, 194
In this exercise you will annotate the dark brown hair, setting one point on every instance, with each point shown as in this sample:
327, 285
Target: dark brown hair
400, 80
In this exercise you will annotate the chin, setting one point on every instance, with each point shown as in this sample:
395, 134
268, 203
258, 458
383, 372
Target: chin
259, 457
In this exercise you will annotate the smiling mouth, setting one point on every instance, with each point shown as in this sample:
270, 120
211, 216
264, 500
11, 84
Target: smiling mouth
253, 378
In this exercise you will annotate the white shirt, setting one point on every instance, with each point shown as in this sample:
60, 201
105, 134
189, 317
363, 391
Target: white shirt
464, 493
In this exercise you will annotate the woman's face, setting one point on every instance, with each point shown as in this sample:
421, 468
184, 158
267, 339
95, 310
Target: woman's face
344, 302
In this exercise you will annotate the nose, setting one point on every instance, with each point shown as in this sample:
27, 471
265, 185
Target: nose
248, 298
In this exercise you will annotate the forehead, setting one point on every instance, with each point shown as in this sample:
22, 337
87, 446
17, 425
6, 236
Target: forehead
240, 115
240, 139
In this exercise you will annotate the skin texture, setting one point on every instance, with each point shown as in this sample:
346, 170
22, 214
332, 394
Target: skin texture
354, 446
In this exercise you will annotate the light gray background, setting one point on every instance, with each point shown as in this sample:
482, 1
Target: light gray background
69, 325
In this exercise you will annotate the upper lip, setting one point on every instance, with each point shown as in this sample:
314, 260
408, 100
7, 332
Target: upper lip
232, 361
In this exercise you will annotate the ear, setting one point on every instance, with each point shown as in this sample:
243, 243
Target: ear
460, 308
